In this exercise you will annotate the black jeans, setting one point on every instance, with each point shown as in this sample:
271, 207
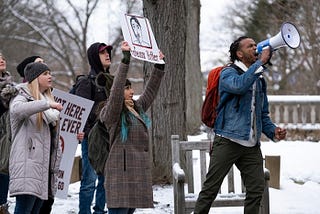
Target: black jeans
248, 160
4, 188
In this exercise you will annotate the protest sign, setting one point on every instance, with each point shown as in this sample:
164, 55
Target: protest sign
138, 33
72, 120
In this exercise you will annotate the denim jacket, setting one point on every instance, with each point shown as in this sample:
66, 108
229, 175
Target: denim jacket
234, 109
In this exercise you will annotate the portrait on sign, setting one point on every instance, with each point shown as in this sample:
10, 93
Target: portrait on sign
139, 31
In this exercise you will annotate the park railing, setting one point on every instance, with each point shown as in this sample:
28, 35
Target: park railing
300, 114
295, 111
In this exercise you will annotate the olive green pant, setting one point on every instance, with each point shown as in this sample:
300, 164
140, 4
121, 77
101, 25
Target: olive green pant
248, 160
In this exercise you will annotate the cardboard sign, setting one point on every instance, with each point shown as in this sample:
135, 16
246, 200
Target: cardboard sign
138, 33
72, 120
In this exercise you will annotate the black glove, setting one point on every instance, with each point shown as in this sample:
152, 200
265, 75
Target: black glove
160, 66
126, 57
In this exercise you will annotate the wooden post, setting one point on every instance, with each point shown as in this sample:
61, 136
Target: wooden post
273, 165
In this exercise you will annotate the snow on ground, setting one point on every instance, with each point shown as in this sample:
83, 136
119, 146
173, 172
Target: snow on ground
299, 191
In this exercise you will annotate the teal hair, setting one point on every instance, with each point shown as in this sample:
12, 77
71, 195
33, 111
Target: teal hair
124, 122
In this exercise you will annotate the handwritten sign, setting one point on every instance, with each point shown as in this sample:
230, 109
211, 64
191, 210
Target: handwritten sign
72, 120
138, 33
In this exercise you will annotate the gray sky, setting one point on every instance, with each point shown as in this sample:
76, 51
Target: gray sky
213, 44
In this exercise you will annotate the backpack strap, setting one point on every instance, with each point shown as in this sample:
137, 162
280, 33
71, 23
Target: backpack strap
232, 65
240, 71
93, 86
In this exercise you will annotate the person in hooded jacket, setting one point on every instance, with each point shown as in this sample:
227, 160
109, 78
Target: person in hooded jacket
36, 151
99, 57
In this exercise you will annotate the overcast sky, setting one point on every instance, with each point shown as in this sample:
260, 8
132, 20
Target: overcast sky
213, 44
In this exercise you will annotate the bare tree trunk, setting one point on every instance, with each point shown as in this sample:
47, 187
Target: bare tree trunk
169, 22
193, 70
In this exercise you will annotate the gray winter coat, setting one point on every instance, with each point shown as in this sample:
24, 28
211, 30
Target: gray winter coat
30, 162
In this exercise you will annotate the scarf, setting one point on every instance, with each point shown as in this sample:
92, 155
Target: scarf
130, 106
51, 115
133, 114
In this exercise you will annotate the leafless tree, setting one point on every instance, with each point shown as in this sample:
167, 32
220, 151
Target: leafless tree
58, 32
61, 33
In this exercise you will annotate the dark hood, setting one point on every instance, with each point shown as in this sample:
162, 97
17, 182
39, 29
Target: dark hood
93, 57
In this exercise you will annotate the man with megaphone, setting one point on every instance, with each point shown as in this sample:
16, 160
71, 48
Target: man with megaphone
242, 116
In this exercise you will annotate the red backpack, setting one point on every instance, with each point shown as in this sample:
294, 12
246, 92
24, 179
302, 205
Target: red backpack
210, 103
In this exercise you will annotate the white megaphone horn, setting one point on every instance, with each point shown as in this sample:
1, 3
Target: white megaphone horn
288, 36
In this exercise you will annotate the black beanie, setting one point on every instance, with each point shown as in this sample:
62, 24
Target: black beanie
34, 69
22, 65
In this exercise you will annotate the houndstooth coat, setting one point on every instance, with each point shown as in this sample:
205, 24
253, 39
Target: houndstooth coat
128, 180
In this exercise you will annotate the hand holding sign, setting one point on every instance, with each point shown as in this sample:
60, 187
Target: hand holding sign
57, 106
125, 46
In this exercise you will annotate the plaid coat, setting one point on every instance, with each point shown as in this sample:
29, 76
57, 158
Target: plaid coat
128, 180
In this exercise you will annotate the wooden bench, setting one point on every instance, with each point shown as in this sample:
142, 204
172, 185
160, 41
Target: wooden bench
184, 203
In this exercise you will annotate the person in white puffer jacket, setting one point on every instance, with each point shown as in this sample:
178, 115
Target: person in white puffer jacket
36, 152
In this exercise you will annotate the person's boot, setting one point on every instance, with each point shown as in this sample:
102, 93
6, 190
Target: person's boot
4, 208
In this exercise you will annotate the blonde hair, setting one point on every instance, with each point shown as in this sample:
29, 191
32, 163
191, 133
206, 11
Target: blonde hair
35, 92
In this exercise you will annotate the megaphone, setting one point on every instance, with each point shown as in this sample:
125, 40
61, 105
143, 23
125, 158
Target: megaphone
288, 36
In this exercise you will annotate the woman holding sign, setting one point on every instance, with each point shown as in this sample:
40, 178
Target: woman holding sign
35, 153
128, 180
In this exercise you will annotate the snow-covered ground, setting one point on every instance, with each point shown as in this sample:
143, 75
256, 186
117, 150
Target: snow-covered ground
299, 191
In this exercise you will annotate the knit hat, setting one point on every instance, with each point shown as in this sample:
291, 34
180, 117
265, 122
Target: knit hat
34, 69
22, 65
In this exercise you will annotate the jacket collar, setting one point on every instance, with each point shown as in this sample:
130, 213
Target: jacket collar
241, 65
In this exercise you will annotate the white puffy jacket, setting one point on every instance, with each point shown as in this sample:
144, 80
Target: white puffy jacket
30, 161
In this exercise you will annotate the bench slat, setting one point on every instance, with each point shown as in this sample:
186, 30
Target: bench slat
203, 166
189, 163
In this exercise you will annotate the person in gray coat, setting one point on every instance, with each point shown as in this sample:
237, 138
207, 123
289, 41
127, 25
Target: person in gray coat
36, 152
47, 204
127, 171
